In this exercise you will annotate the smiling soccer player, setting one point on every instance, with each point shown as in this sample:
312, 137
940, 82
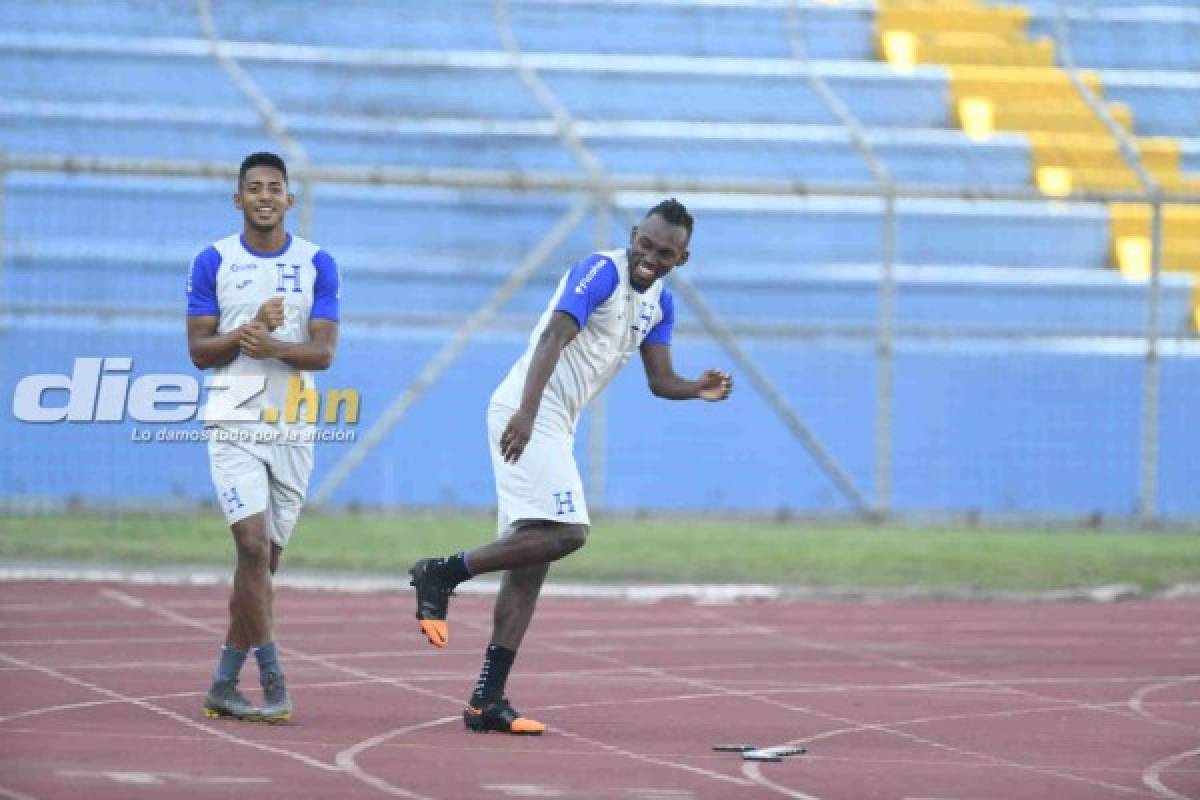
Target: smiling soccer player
262, 305
608, 306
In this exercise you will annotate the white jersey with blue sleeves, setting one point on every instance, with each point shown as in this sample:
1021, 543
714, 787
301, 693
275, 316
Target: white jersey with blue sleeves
230, 281
614, 321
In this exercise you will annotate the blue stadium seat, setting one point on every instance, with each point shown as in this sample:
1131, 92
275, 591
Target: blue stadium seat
1129, 35
161, 18
988, 421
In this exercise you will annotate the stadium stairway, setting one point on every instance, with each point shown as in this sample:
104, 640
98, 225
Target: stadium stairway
1019, 355
1003, 80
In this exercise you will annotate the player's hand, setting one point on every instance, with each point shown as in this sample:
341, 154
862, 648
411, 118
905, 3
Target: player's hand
715, 385
256, 341
270, 313
516, 436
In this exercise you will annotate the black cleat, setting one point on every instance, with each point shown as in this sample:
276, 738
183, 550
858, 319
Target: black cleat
225, 701
499, 715
433, 601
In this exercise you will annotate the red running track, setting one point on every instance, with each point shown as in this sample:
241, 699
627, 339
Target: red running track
102, 686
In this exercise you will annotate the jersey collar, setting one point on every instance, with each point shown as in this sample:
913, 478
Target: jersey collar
287, 242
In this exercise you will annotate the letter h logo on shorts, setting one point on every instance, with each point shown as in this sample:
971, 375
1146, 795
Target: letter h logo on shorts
564, 503
232, 501
293, 276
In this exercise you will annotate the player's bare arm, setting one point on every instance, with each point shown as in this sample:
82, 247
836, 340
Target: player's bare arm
559, 332
208, 348
713, 385
256, 341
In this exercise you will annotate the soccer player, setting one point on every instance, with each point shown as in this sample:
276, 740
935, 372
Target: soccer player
262, 313
606, 307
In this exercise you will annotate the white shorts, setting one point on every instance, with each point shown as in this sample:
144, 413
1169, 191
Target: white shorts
253, 477
543, 484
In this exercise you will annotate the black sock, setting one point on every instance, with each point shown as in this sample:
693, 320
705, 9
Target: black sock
496, 663
452, 569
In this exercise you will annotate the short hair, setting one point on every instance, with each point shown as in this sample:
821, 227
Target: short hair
673, 212
261, 159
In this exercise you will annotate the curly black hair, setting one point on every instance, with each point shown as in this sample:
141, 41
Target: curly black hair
673, 212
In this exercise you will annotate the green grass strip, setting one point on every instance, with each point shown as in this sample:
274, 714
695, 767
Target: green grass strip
666, 550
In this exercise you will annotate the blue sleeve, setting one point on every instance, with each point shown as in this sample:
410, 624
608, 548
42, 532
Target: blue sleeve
202, 284
661, 333
588, 284
327, 288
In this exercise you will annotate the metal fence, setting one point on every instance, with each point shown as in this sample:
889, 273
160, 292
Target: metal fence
597, 194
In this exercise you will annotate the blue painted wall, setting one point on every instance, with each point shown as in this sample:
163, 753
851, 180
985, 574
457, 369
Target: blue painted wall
974, 429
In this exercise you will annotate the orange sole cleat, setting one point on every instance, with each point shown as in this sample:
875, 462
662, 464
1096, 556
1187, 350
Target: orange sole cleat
433, 601
436, 631
501, 717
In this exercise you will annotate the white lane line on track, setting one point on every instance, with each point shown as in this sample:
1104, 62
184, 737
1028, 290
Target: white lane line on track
191, 723
384, 680
36, 712
1137, 701
712, 775
122, 598
857, 723
913, 664
662, 762
1152, 777
105, 641
857, 726
291, 652
146, 778
13, 794
346, 759
972, 764
753, 771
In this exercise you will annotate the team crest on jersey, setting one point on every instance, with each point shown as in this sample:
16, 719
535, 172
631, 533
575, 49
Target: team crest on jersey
645, 317
289, 274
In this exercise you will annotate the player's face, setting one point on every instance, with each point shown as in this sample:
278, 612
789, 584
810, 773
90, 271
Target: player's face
263, 198
655, 248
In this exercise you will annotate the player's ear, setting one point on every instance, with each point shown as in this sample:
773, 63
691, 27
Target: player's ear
683, 258
633, 234
237, 199
291, 200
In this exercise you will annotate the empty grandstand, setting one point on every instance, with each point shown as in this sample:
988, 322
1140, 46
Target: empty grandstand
920, 236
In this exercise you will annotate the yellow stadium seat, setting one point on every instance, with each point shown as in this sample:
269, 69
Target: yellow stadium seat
1000, 79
